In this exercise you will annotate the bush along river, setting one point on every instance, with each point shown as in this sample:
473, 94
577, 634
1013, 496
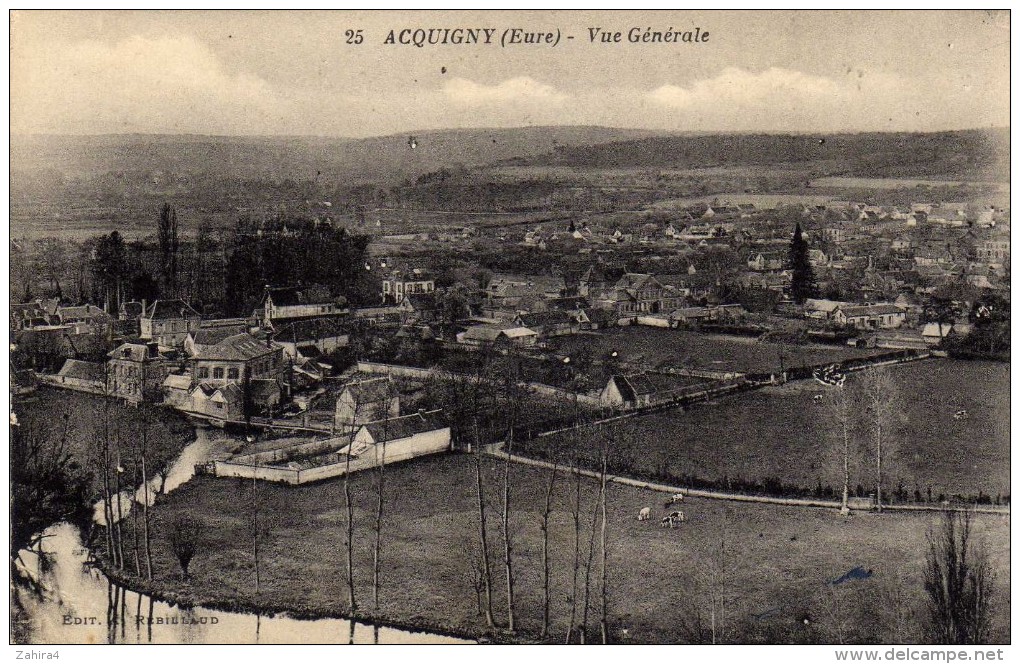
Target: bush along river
74, 602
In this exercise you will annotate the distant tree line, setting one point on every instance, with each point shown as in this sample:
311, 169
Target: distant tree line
216, 270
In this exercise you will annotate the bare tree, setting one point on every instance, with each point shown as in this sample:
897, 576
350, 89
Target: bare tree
591, 558
714, 574
513, 395
380, 503
255, 527
604, 585
120, 496
550, 488
145, 504
483, 540
134, 517
959, 583
184, 534
842, 411
880, 396
108, 513
475, 399
576, 513
349, 511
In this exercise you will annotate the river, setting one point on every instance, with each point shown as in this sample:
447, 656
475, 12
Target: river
77, 604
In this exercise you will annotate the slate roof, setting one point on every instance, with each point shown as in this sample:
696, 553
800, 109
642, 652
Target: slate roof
371, 390
404, 427
83, 312
638, 385
77, 369
237, 347
540, 318
133, 309
309, 329
481, 333
871, 310
633, 281
128, 351
212, 336
518, 332
177, 382
289, 296
170, 309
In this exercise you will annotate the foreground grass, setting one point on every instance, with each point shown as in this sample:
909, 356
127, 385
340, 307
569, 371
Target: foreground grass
773, 563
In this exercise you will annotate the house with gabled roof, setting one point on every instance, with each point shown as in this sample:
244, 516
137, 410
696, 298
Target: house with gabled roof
298, 302
84, 375
637, 390
551, 323
870, 316
136, 372
237, 358
168, 322
366, 400
203, 338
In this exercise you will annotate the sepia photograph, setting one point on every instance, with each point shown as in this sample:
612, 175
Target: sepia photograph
435, 327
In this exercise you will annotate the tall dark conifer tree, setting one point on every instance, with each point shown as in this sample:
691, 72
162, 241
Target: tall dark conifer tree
803, 281
169, 247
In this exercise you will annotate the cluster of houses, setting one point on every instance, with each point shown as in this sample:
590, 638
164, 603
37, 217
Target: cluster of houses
223, 369
227, 370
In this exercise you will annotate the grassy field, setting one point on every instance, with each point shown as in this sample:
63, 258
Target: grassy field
774, 563
649, 347
782, 432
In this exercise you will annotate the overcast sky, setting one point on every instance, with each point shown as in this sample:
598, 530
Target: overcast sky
292, 73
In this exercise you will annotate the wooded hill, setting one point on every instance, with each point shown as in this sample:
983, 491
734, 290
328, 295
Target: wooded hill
964, 155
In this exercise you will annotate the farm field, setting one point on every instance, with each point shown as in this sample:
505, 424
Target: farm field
784, 433
650, 347
777, 560
899, 183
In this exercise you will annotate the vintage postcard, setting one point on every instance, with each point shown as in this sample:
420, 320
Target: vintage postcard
511, 327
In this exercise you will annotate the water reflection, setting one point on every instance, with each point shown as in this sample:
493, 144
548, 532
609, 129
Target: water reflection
76, 603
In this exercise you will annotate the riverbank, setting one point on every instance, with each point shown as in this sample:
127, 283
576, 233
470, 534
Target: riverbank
777, 561
169, 592
85, 419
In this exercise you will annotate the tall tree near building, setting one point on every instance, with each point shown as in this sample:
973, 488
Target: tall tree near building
110, 269
169, 247
803, 283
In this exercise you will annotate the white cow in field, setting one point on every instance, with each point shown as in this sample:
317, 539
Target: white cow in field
678, 517
644, 514
675, 498
666, 523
